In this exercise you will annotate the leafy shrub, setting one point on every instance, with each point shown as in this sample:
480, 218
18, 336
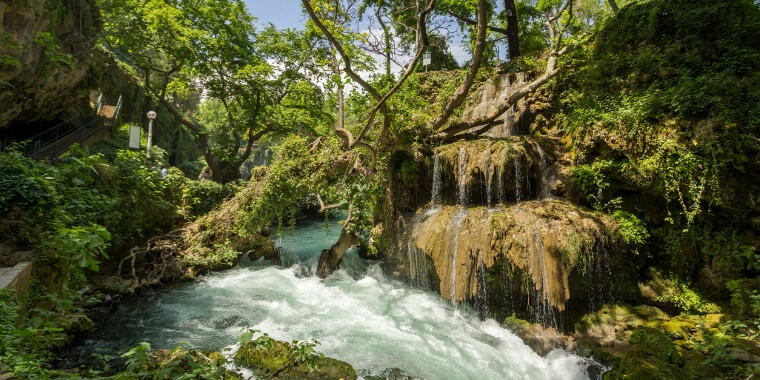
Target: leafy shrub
632, 229
686, 299
745, 296
593, 182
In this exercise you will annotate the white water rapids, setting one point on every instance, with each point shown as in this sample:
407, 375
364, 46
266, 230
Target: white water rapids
357, 314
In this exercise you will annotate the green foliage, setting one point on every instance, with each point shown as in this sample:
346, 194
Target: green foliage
178, 363
671, 86
294, 173
593, 182
78, 248
745, 297
632, 229
196, 198
687, 300
30, 329
51, 50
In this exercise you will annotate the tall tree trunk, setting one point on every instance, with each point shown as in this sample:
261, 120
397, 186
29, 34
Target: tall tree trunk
339, 90
613, 5
512, 29
387, 37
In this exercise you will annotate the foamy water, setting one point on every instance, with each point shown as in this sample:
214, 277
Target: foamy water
358, 315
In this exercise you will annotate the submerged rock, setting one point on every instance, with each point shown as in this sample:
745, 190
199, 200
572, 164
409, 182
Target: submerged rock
390, 374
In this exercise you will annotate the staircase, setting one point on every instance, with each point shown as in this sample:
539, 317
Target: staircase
52, 142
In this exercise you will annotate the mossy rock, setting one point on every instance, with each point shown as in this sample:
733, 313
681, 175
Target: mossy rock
654, 356
620, 317
258, 246
276, 362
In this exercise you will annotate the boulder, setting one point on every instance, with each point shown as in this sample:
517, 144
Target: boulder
278, 360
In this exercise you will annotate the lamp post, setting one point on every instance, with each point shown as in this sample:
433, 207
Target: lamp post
151, 117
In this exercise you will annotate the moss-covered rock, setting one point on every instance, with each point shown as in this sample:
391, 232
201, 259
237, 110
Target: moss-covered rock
674, 295
279, 360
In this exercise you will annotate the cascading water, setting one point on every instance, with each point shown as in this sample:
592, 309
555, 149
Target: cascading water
482, 300
510, 124
542, 309
488, 179
357, 314
543, 186
500, 184
599, 275
436, 192
518, 179
457, 221
462, 177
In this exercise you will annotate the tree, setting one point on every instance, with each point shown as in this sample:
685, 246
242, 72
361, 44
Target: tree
513, 41
211, 48
337, 35
613, 5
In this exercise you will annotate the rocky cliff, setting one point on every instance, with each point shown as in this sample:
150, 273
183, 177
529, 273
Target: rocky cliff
45, 54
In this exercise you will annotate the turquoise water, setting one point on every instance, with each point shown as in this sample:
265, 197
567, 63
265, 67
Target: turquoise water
357, 314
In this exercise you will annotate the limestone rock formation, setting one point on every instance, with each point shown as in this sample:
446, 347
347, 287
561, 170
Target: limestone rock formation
544, 239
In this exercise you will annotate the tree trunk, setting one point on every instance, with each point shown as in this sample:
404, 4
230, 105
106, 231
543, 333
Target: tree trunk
339, 90
613, 5
512, 31
330, 258
387, 37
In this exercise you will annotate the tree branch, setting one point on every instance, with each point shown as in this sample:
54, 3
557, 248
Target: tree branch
323, 207
469, 21
551, 70
461, 92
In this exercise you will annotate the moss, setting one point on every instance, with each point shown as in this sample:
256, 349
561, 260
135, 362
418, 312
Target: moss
653, 357
276, 360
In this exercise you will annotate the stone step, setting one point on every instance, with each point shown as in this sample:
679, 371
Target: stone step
17, 277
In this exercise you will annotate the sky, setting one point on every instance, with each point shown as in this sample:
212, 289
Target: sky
281, 13
288, 14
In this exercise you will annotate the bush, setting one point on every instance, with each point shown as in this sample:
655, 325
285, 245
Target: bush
632, 229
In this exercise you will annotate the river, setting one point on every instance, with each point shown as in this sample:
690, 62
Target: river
357, 314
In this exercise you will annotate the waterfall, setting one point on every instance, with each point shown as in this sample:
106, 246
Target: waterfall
457, 224
500, 184
542, 309
543, 186
412, 271
436, 193
488, 179
509, 122
518, 179
462, 177
457, 220
482, 300
599, 276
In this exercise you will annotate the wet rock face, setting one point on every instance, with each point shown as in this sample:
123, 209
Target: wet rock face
492, 229
44, 45
487, 98
488, 172
541, 240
